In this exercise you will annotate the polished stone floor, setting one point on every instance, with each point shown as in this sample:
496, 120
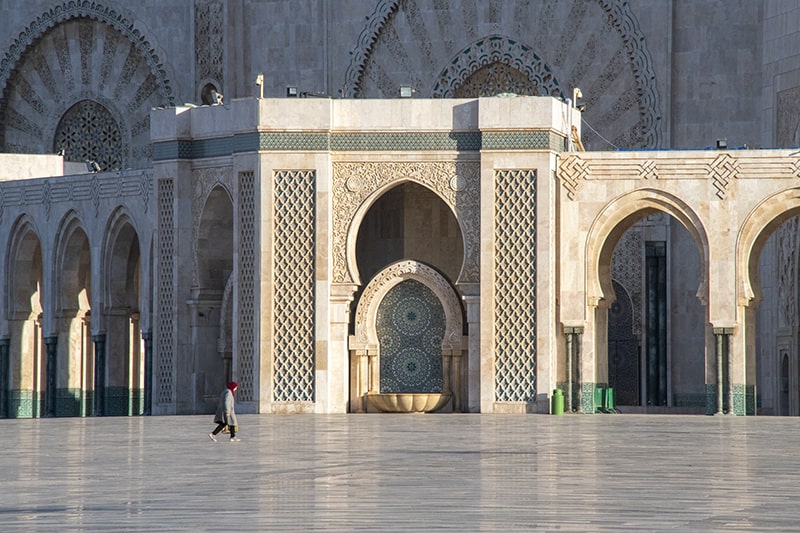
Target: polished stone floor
440, 472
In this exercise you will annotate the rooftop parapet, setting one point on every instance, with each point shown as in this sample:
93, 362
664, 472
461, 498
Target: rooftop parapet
396, 125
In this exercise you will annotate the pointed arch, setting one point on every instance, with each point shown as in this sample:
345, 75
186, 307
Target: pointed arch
122, 296
25, 295
366, 334
121, 259
24, 268
392, 229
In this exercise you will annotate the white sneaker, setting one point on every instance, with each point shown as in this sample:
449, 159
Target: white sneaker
212, 437
235, 439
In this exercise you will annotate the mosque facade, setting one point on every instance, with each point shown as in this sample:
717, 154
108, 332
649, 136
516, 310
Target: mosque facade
405, 205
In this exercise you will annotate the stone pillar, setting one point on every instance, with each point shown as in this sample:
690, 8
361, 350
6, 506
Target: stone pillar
728, 336
374, 372
471, 403
337, 366
51, 371
457, 383
5, 344
147, 338
99, 374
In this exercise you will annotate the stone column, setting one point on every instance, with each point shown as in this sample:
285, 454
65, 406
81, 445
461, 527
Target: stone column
573, 335
51, 345
147, 338
718, 335
99, 374
728, 337
374, 372
568, 332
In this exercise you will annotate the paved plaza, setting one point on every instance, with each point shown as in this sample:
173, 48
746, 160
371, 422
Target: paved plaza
402, 473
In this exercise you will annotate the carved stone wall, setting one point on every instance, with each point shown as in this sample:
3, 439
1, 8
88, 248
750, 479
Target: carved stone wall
515, 285
294, 286
164, 392
594, 45
247, 329
81, 51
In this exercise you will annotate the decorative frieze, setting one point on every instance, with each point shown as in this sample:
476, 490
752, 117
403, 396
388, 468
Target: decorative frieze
720, 169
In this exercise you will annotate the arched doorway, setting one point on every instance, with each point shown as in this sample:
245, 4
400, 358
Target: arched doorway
210, 323
623, 349
72, 371
650, 249
124, 347
23, 394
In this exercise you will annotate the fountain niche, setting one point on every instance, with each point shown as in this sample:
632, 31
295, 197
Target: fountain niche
405, 355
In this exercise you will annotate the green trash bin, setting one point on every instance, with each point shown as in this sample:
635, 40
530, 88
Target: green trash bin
557, 407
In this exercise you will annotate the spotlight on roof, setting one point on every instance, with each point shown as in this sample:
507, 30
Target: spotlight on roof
291, 92
93, 167
406, 91
260, 83
722, 144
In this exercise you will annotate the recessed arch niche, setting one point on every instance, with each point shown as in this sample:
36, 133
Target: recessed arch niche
409, 221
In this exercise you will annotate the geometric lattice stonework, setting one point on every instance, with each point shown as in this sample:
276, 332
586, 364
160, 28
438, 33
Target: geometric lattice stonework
515, 285
246, 327
88, 132
293, 297
165, 347
410, 324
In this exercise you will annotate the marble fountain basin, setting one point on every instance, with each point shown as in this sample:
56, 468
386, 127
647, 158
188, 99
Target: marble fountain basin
408, 402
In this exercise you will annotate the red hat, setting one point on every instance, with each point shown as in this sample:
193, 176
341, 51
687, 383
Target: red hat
232, 385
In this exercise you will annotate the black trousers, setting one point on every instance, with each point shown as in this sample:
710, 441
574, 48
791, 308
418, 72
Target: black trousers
221, 426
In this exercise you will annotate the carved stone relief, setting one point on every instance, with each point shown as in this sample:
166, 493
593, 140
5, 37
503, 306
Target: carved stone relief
101, 57
209, 18
602, 51
787, 235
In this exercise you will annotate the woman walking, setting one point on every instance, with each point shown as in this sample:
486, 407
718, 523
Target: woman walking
226, 416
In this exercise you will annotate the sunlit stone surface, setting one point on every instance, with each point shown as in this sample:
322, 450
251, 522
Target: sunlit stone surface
402, 473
